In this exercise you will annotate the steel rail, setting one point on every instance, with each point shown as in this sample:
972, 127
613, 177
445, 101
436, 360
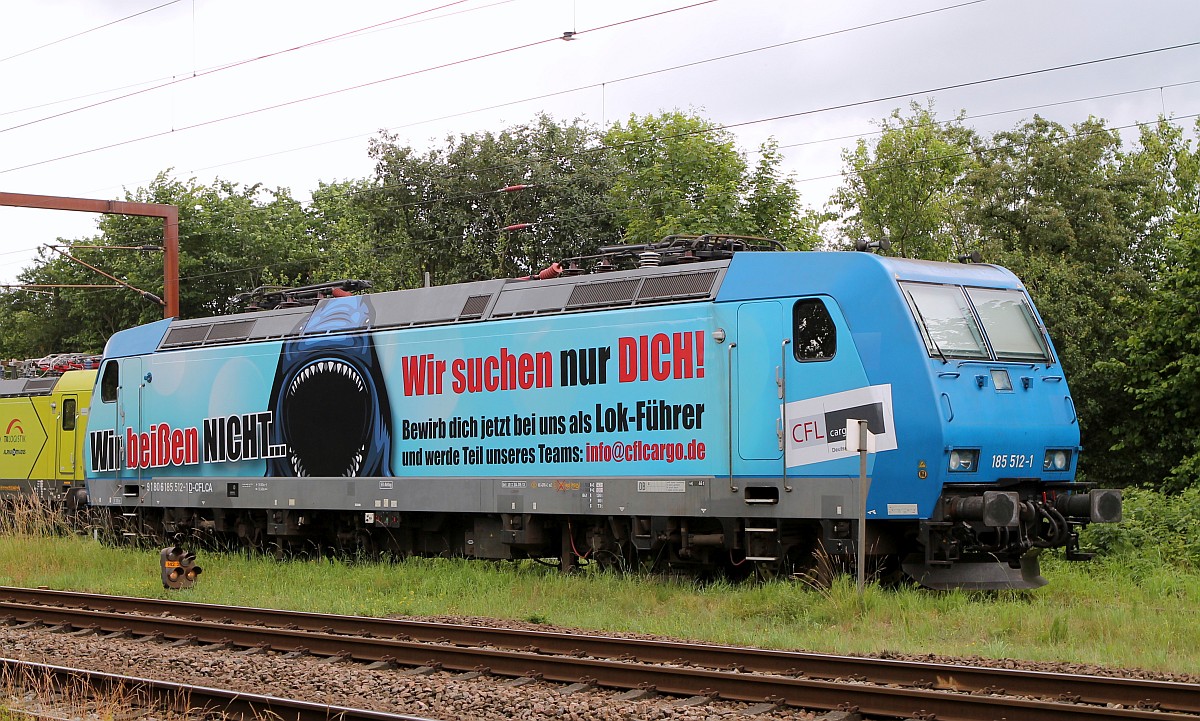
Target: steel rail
393, 642
1168, 695
188, 698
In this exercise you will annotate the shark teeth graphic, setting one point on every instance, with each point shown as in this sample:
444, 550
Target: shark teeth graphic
351, 470
297, 466
327, 366
355, 464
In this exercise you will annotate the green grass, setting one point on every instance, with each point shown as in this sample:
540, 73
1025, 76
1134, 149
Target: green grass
1105, 612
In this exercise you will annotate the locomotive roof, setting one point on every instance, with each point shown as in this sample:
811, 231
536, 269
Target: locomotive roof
27, 386
72, 381
468, 302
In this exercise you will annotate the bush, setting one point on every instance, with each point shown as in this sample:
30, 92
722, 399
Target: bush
1156, 527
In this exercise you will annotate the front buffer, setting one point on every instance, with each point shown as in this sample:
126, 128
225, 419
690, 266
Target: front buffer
988, 536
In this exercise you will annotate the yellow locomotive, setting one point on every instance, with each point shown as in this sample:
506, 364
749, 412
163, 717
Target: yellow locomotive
43, 417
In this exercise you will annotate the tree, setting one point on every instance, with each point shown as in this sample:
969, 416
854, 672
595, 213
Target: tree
678, 173
1167, 171
345, 232
907, 186
1155, 368
443, 212
231, 239
1160, 363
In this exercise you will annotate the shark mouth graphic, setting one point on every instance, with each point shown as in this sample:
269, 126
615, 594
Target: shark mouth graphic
327, 411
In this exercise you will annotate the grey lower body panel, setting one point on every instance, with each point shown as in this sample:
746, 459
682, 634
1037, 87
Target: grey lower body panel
693, 496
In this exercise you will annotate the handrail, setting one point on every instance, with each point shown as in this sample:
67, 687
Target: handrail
783, 409
729, 414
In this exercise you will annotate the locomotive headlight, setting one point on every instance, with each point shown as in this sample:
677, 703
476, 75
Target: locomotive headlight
1057, 459
963, 460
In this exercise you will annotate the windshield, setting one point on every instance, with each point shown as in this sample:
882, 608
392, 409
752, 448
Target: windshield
946, 321
950, 321
1009, 323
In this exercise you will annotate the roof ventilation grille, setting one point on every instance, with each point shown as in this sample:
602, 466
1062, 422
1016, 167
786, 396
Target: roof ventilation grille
474, 307
611, 293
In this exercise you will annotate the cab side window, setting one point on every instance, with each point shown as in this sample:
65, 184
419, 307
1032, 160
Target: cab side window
109, 382
68, 414
814, 336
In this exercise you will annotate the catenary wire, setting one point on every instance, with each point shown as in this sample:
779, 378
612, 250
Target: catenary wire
1039, 106
376, 188
730, 55
229, 66
614, 81
801, 40
383, 248
359, 86
166, 82
151, 81
718, 128
894, 97
393, 206
89, 30
552, 94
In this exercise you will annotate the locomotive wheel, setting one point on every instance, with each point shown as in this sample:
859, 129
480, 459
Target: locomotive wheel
612, 549
361, 545
621, 559
249, 536
772, 570
820, 568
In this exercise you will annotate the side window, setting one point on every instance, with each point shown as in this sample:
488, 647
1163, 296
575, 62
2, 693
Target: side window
109, 382
814, 336
68, 414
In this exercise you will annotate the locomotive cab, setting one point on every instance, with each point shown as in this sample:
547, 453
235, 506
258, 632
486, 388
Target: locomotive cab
44, 406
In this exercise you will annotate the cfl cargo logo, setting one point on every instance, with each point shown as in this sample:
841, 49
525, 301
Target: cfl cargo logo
817, 426
830, 427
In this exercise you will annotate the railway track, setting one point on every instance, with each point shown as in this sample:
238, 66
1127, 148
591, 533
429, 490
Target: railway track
876, 687
134, 695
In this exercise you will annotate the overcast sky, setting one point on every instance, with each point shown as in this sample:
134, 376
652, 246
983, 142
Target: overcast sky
330, 75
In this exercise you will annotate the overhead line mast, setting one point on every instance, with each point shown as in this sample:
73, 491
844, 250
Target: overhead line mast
169, 214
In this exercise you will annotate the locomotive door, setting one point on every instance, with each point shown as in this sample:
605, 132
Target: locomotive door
802, 349
119, 409
759, 339
822, 360
66, 433
129, 407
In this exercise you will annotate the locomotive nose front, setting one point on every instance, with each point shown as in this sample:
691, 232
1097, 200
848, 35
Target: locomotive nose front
1010, 437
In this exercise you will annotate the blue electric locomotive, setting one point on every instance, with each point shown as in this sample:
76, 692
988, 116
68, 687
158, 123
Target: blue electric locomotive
691, 412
